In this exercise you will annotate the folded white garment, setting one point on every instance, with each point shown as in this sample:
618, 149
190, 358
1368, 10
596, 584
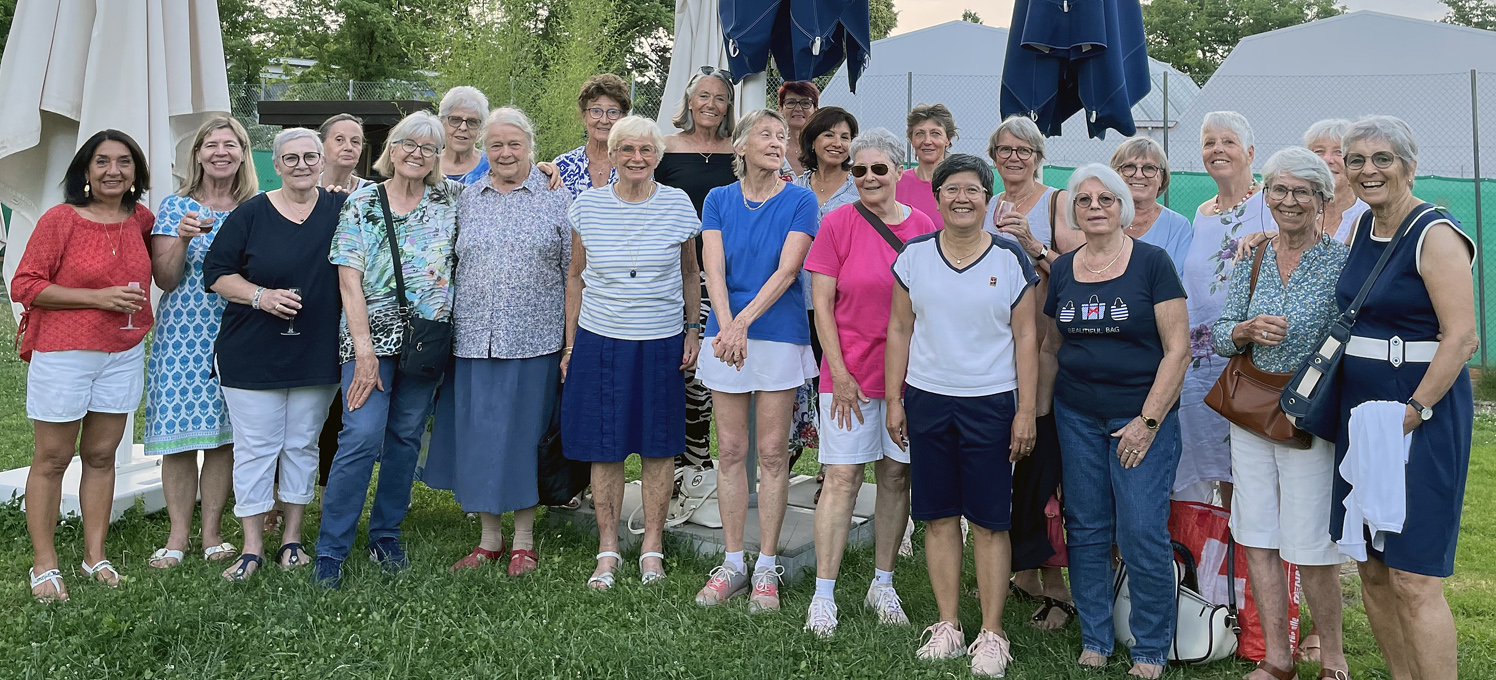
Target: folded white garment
1375, 466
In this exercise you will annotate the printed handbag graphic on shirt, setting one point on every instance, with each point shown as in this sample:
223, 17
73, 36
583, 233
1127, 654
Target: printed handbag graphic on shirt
1119, 310
1067, 313
1093, 310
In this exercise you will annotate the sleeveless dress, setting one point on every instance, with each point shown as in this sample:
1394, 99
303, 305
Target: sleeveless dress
184, 408
1207, 276
1399, 305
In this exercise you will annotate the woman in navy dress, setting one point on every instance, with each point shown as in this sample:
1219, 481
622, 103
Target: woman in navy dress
1425, 291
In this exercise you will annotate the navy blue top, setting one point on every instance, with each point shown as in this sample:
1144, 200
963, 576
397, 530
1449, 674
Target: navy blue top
753, 236
1111, 349
268, 250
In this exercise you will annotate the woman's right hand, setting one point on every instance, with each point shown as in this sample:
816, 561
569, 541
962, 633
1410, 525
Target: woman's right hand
565, 362
1245, 244
846, 400
1265, 330
897, 423
280, 303
125, 299
365, 379
192, 226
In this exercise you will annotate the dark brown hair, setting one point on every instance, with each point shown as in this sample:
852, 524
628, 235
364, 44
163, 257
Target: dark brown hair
823, 120
76, 176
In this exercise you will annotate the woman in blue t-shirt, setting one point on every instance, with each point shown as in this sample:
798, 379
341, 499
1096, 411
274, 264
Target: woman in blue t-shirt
755, 234
1123, 326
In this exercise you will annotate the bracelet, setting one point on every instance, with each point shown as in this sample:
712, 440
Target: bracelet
566, 351
256, 301
694, 327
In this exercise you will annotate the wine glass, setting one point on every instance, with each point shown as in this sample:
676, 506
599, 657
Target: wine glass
291, 323
130, 318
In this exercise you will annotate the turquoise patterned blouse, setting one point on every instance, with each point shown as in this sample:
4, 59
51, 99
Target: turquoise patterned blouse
1308, 300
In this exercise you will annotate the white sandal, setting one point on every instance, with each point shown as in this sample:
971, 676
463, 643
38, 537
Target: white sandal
101, 565
220, 549
163, 554
52, 576
606, 578
648, 577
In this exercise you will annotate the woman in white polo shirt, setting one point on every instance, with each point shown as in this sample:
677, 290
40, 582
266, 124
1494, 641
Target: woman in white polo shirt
962, 336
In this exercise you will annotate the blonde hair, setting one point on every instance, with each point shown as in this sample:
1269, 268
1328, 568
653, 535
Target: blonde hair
683, 119
246, 182
740, 136
414, 126
635, 127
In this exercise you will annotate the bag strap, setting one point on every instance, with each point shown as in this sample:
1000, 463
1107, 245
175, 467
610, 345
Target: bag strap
1349, 316
1232, 620
389, 232
893, 240
1054, 203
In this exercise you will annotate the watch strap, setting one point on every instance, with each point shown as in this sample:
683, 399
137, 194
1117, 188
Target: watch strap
1424, 412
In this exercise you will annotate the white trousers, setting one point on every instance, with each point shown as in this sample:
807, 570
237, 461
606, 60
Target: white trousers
273, 426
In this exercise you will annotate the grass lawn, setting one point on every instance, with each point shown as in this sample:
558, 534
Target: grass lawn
187, 623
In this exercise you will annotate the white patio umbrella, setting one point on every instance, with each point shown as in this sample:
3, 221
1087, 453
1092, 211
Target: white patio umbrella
698, 43
151, 68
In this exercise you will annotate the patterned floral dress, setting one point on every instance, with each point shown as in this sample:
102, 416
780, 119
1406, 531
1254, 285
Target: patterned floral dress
184, 408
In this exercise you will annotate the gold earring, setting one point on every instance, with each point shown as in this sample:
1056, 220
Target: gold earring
85, 189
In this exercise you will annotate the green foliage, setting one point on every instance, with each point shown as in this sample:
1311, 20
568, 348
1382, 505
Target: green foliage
970, 16
576, 50
882, 18
247, 39
1472, 13
1196, 35
366, 40
7, 13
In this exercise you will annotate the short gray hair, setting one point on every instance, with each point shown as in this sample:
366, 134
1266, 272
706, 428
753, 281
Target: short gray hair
880, 139
463, 97
291, 135
740, 136
1108, 178
1027, 131
1394, 131
682, 118
1301, 163
1230, 121
1332, 129
636, 127
1143, 147
508, 115
414, 126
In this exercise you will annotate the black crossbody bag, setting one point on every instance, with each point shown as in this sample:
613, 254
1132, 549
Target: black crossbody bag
425, 345
893, 240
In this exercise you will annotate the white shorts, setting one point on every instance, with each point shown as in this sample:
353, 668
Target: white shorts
770, 367
1282, 498
866, 442
64, 386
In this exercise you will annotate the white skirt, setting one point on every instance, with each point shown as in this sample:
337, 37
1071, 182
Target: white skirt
769, 367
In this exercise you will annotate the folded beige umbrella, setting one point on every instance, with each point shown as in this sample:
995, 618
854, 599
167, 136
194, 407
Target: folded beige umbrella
698, 43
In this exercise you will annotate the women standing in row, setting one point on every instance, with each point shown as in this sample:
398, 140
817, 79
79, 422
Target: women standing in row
508, 313
931, 130
385, 409
462, 111
603, 101
277, 347
83, 281
849, 264
184, 410
631, 281
756, 233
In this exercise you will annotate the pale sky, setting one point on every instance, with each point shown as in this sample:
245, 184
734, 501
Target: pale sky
917, 14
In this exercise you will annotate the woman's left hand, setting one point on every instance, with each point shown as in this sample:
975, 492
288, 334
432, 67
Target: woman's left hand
552, 173
1023, 437
1411, 419
1135, 439
731, 345
693, 350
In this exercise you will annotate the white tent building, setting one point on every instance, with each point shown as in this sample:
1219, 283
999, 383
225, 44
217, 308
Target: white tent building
1352, 65
960, 64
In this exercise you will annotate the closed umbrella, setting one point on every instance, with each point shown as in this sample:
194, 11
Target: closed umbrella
807, 38
699, 42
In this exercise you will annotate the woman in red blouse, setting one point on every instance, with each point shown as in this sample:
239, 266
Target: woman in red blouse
83, 283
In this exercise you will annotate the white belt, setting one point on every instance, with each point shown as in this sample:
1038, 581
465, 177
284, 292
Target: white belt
1395, 351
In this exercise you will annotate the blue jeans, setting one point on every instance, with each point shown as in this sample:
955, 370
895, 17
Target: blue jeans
1106, 505
387, 429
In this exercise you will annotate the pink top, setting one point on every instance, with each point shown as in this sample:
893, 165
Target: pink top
852, 251
917, 193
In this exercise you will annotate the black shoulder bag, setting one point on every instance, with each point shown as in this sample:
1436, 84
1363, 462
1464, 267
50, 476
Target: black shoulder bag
425, 345
893, 240
1312, 397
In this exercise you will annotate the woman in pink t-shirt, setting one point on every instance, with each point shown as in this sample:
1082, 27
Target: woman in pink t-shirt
931, 131
853, 289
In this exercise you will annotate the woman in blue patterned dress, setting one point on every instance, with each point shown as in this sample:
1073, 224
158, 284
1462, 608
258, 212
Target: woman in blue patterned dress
184, 411
603, 101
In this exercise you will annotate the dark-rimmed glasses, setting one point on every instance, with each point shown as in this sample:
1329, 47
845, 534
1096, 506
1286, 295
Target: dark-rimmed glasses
1147, 170
292, 160
1004, 151
410, 146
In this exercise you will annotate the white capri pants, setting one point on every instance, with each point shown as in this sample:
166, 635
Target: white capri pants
273, 426
1282, 498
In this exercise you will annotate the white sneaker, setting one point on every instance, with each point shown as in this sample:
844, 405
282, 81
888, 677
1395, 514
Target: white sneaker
990, 655
946, 642
882, 599
821, 619
906, 547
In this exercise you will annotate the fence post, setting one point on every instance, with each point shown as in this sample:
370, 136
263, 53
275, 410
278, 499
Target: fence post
908, 106
350, 89
1480, 272
511, 90
1166, 132
633, 87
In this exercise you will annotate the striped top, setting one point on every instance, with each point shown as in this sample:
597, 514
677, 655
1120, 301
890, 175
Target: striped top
633, 276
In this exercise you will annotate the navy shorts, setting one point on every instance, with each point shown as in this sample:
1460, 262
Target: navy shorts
958, 457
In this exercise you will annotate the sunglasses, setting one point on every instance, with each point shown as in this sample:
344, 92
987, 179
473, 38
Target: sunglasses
710, 70
459, 123
1381, 159
879, 169
1104, 200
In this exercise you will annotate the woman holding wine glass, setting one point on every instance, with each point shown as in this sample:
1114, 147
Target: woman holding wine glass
269, 262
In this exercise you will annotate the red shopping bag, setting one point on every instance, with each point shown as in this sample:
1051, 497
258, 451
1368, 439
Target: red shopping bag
1054, 522
1205, 530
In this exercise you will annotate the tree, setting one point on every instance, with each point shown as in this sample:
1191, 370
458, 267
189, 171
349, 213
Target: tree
1472, 13
971, 17
1196, 35
366, 40
247, 39
7, 13
882, 17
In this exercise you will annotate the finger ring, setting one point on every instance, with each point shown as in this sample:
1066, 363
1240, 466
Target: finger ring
1264, 335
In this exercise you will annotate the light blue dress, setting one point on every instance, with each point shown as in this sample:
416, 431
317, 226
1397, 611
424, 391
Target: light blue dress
1174, 233
475, 175
184, 408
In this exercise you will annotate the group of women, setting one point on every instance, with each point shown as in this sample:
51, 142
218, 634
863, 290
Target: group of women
991, 354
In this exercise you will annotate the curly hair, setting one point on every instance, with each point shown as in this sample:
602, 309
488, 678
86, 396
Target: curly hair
605, 85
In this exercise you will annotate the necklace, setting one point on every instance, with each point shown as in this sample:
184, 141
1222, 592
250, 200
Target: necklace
635, 209
1216, 202
301, 212
1116, 257
974, 251
1020, 201
706, 158
766, 200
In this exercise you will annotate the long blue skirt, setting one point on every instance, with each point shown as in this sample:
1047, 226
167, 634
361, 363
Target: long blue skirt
623, 397
490, 416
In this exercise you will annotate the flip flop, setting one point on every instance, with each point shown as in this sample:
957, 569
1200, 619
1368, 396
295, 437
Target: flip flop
241, 572
294, 561
99, 566
52, 576
211, 553
1309, 649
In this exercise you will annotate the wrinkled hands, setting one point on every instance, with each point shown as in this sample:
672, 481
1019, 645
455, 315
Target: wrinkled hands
1135, 439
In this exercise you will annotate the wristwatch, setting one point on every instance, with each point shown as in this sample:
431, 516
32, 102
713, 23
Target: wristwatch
1043, 253
1149, 422
694, 327
1424, 412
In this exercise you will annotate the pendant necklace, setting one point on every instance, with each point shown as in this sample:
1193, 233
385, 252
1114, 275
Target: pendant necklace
642, 208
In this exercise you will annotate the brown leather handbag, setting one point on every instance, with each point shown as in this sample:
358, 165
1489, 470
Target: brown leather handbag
1248, 396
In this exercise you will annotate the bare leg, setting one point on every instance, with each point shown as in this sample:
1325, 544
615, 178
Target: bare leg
890, 511
1381, 613
607, 498
1270, 588
731, 414
773, 424
658, 475
1227, 489
55, 444
1055, 588
291, 515
254, 543
1322, 590
179, 485
833, 517
994, 561
101, 436
943, 555
1028, 580
214, 483
1427, 624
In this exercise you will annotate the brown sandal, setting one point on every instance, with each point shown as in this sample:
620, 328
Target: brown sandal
1279, 673
1334, 674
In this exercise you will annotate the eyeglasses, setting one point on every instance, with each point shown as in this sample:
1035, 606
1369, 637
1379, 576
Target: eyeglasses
1024, 153
292, 160
410, 146
709, 70
879, 169
629, 150
1103, 200
971, 191
1147, 170
458, 123
804, 104
1278, 192
1381, 159
597, 113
